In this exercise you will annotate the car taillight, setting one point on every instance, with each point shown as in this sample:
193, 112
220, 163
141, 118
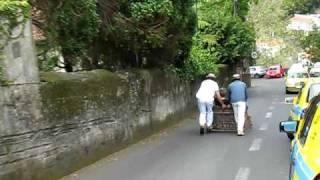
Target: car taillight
317, 177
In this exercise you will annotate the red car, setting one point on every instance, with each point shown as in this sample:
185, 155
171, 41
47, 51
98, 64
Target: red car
275, 71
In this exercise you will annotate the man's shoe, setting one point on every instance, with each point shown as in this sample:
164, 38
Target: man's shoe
201, 131
240, 133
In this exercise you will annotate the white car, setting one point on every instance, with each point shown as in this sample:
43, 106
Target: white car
316, 65
257, 71
315, 72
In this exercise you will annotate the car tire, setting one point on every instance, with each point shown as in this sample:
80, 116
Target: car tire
256, 76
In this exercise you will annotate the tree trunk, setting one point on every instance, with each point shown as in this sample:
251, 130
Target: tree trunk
137, 59
67, 62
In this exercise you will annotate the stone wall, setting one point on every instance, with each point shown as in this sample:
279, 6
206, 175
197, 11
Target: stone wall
72, 120
19, 64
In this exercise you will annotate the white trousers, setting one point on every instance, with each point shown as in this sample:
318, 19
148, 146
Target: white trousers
239, 109
206, 113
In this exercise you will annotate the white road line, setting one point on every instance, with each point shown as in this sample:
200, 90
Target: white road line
243, 174
269, 115
256, 144
264, 127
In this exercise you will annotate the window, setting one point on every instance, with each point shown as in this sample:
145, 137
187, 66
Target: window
308, 119
297, 75
314, 74
313, 91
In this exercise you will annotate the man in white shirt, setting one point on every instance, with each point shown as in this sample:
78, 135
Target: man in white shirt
206, 94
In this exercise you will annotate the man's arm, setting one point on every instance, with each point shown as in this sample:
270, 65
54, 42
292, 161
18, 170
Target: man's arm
246, 93
220, 99
229, 94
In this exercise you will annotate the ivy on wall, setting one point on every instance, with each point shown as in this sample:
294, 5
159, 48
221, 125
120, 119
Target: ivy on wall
12, 13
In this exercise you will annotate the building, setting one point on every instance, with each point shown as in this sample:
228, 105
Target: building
270, 47
304, 22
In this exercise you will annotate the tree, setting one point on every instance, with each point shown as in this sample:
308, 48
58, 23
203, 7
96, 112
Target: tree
223, 37
311, 43
117, 34
301, 6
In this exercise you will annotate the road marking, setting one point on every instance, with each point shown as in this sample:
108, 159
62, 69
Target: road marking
269, 115
264, 127
243, 174
271, 107
256, 144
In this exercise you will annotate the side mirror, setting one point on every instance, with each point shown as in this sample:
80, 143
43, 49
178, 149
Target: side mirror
288, 126
289, 100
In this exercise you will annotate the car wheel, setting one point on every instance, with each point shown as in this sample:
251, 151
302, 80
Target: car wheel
256, 76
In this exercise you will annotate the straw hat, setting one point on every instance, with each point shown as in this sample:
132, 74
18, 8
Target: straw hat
211, 75
236, 76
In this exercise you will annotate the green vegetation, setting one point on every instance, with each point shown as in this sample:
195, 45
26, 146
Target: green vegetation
152, 33
311, 42
13, 13
223, 37
114, 34
270, 19
301, 6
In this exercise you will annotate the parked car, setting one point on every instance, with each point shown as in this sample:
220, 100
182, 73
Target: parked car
305, 154
275, 71
316, 65
294, 78
257, 71
310, 89
315, 72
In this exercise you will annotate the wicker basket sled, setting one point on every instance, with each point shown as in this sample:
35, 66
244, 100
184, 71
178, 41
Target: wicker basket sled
224, 121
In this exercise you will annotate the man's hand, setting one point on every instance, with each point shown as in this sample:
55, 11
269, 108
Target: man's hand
224, 106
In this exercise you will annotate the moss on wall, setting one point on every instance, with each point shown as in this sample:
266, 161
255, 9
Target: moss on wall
72, 120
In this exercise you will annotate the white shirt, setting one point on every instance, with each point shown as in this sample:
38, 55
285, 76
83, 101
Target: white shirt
207, 90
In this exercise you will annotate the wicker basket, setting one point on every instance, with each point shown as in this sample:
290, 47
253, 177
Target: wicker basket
224, 121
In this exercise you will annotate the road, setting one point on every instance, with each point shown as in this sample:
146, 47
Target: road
179, 153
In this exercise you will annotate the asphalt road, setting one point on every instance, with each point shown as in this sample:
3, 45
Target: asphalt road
179, 153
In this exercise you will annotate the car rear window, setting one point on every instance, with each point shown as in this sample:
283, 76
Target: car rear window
313, 91
314, 74
297, 75
273, 68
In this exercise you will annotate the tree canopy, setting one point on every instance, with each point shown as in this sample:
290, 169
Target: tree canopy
223, 37
117, 34
111, 33
301, 6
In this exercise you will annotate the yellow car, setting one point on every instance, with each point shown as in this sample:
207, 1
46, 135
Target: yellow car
294, 79
305, 147
309, 90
